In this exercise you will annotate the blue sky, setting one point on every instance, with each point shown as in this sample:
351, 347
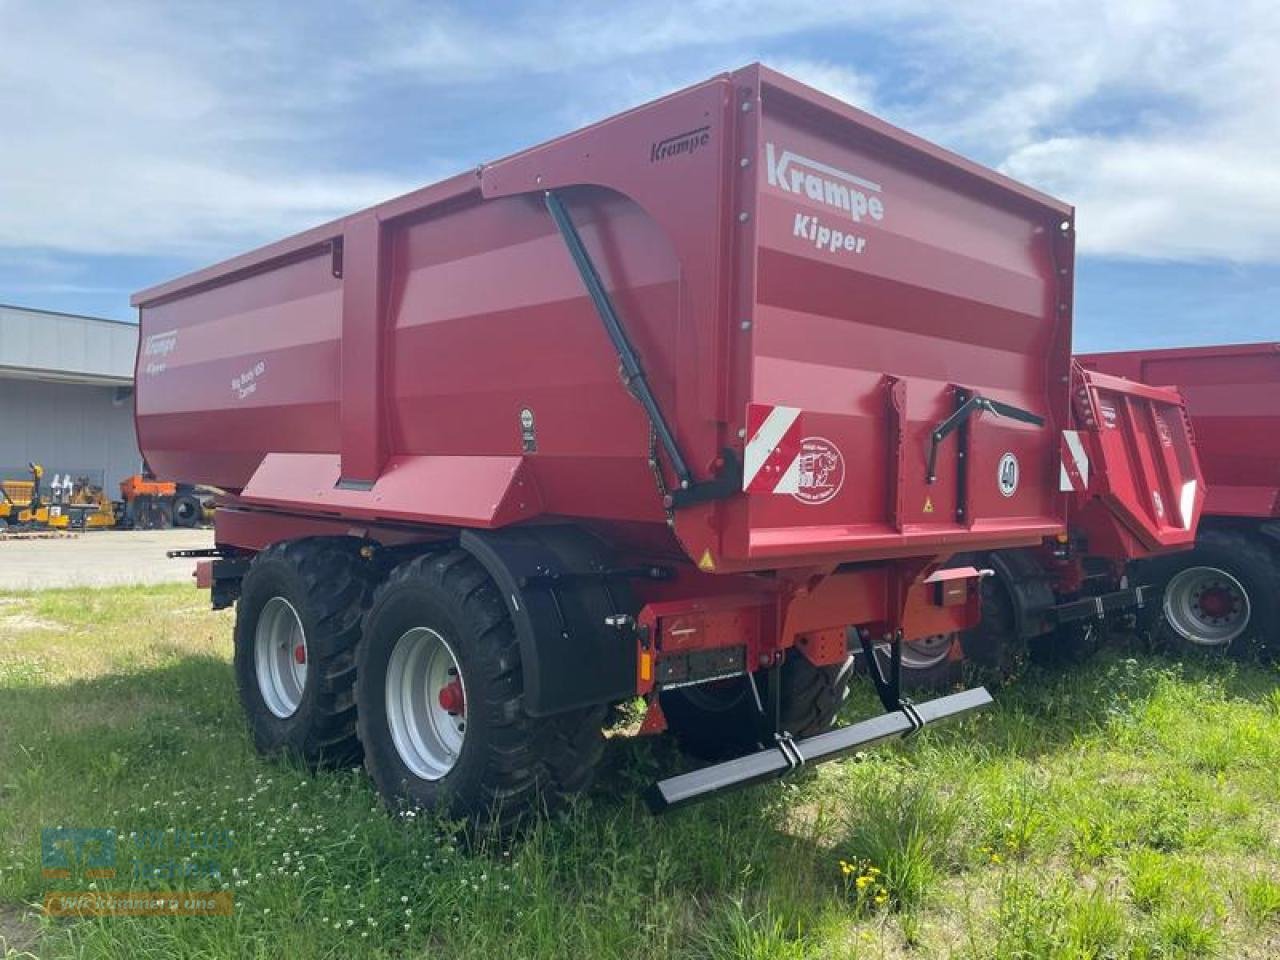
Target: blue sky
141, 140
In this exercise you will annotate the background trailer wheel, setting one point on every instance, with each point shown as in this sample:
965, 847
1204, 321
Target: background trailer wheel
1223, 595
188, 511
441, 701
926, 663
297, 624
721, 719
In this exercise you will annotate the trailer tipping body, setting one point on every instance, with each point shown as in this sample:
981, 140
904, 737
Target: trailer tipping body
1225, 593
844, 355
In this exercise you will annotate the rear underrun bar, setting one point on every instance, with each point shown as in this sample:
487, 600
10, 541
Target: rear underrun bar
775, 762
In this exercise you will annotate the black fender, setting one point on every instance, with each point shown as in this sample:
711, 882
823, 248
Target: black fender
1271, 530
1029, 588
559, 590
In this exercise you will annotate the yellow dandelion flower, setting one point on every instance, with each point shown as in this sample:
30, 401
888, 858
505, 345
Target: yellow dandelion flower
862, 882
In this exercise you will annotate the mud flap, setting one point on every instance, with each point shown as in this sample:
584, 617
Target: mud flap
776, 762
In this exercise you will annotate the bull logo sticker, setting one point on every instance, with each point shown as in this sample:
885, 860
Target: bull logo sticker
820, 471
1007, 475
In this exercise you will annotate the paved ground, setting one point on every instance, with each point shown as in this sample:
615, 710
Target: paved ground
99, 558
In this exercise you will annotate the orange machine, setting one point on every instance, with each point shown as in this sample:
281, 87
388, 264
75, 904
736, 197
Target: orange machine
148, 503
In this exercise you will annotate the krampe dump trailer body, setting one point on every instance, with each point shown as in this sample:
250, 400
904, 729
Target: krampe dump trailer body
688, 404
1226, 592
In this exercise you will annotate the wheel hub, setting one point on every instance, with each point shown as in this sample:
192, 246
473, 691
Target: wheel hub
280, 657
1206, 606
1216, 603
925, 652
426, 703
452, 699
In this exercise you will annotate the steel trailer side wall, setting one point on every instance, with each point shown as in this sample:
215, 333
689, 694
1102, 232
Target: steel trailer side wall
434, 361
1232, 393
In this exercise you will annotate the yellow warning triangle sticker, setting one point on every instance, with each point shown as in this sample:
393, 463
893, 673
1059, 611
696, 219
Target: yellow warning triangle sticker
706, 563
928, 504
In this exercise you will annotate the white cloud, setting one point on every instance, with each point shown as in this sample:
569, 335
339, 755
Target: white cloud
1159, 120
835, 79
143, 128
128, 130
1180, 199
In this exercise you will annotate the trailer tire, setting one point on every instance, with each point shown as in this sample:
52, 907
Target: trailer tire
187, 510
1247, 584
499, 765
319, 586
718, 721
924, 666
1066, 645
993, 646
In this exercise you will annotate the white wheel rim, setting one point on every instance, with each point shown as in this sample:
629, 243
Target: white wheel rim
280, 657
1206, 606
422, 675
920, 654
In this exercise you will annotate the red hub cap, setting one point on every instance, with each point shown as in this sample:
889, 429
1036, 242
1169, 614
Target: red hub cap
1217, 602
300, 654
451, 698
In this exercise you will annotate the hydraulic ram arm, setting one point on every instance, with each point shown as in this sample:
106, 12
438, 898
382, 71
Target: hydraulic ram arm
729, 481
632, 372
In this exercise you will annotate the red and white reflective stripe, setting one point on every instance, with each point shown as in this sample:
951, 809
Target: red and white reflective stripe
1074, 473
771, 460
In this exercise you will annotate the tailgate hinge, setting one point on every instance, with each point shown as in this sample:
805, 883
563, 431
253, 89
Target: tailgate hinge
969, 405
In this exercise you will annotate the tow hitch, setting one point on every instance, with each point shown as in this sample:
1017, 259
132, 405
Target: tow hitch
902, 718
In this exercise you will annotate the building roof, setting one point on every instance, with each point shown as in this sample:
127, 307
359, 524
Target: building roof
66, 347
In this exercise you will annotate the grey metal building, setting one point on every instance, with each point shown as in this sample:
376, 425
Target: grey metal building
66, 396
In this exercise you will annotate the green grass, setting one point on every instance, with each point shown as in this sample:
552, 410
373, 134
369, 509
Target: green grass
1129, 807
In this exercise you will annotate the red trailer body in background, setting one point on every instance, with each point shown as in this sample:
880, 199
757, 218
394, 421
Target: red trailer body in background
1226, 592
844, 357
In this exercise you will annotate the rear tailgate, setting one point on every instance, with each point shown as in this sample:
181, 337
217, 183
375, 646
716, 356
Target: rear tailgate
895, 287
1131, 466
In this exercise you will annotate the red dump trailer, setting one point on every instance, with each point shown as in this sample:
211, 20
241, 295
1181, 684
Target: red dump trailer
688, 405
1226, 592
1129, 468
